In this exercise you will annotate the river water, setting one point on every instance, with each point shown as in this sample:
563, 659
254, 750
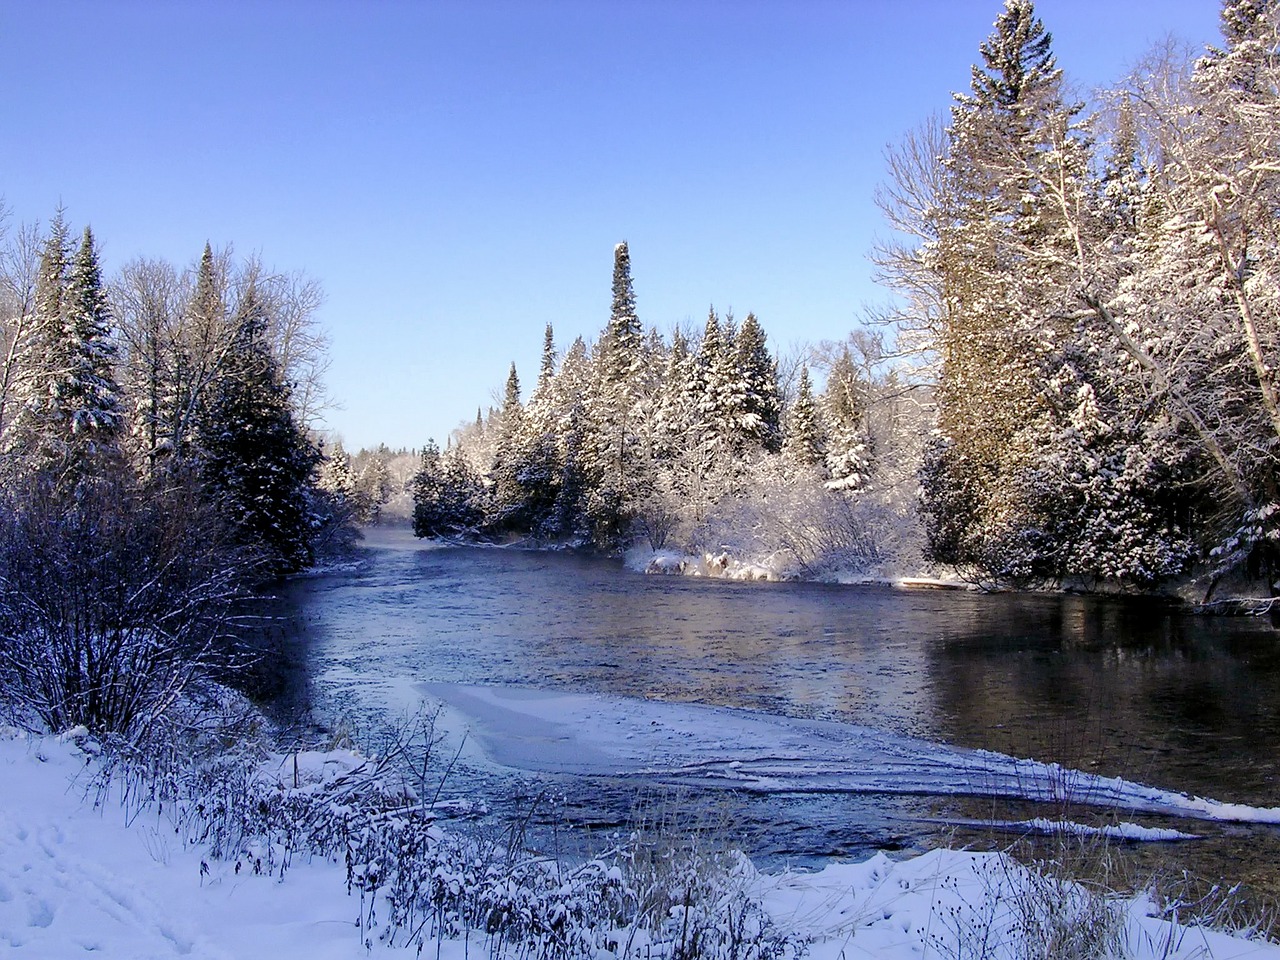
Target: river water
1117, 687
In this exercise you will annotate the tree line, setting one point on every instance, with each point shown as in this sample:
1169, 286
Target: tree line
673, 440
1075, 382
155, 463
1098, 295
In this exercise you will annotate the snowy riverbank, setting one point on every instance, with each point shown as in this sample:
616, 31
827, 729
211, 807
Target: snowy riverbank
77, 878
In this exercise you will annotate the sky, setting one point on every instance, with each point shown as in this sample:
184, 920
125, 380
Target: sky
456, 173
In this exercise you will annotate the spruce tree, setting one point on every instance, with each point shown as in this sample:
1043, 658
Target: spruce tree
1014, 166
254, 459
428, 494
763, 407
37, 437
508, 468
91, 395
70, 421
611, 454
803, 444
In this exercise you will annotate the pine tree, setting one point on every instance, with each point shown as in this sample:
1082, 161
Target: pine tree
803, 445
620, 345
723, 392
335, 477
256, 463
198, 356
1004, 260
91, 395
509, 461
848, 442
37, 437
70, 421
547, 368
612, 452
429, 518
763, 407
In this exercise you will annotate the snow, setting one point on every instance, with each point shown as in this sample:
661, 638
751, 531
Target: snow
77, 880
743, 750
78, 877
1133, 832
720, 566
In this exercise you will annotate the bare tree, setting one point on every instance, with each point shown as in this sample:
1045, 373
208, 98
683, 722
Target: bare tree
19, 266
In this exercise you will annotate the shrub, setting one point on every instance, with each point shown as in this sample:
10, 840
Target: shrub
114, 599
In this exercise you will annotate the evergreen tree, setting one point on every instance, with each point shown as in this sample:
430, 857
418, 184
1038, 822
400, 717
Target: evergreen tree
509, 462
1014, 170
254, 460
429, 514
547, 368
620, 345
804, 445
612, 451
763, 408
335, 477
198, 356
373, 485
38, 435
70, 421
91, 395
723, 402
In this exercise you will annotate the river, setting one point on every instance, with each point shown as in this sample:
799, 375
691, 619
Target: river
1127, 688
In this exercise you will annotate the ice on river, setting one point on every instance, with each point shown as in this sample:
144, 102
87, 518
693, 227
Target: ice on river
697, 745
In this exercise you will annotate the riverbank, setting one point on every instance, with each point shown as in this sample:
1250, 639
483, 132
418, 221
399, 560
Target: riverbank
130, 881
1244, 599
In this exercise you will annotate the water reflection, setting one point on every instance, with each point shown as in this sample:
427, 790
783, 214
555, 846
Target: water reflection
1112, 686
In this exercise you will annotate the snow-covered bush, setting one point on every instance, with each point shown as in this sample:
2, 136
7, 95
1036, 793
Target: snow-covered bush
661, 893
792, 522
114, 599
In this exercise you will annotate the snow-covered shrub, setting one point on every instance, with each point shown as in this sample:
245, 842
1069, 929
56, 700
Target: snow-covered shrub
1035, 912
114, 600
660, 894
794, 523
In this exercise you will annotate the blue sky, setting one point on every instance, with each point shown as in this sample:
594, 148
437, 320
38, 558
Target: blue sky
457, 172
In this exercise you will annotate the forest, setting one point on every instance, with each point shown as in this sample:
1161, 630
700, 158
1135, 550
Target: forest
1071, 386
1074, 383
155, 467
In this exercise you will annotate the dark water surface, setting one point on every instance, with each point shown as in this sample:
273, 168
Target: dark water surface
1128, 688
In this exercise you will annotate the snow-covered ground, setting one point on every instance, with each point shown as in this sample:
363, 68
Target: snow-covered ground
79, 880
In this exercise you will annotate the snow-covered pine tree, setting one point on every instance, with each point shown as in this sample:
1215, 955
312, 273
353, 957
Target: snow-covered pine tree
70, 421
374, 487
36, 436
803, 444
429, 518
509, 496
540, 469
334, 475
1004, 260
547, 366
254, 460
846, 403
91, 394
726, 421
763, 409
612, 451
205, 337
572, 425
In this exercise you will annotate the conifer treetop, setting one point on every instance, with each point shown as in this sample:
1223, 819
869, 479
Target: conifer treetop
1018, 59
